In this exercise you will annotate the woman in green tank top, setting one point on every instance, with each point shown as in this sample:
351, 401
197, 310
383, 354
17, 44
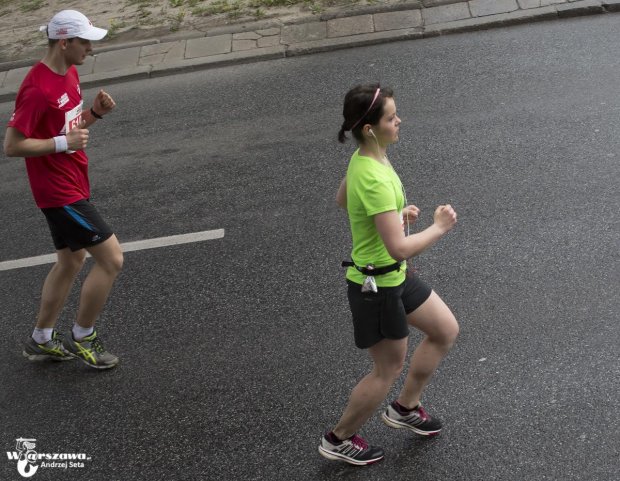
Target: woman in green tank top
385, 299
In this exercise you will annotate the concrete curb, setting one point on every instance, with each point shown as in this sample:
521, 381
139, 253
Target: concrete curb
314, 43
340, 43
201, 63
117, 76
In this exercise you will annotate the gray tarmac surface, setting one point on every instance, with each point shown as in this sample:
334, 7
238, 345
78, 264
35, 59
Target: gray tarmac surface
237, 353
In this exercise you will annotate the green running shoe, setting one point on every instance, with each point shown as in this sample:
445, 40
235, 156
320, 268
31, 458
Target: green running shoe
90, 350
52, 350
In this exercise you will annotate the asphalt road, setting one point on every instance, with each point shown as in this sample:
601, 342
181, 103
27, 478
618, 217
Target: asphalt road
237, 353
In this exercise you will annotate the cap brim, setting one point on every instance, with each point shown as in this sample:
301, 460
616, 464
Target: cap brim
93, 33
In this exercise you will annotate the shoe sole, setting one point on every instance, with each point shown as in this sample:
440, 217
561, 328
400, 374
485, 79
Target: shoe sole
94, 366
398, 425
339, 457
46, 357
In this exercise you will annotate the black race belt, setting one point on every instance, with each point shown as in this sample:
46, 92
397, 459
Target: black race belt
371, 270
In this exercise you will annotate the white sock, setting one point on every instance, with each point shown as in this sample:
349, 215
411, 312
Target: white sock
41, 336
80, 332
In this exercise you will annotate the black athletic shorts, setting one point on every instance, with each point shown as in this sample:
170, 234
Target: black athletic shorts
384, 315
76, 226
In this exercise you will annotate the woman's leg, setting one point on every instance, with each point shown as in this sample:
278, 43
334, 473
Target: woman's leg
438, 324
388, 356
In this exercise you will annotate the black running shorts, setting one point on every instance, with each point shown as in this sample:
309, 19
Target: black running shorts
384, 315
76, 226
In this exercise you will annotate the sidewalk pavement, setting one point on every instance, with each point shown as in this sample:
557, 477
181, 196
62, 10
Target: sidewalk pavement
271, 39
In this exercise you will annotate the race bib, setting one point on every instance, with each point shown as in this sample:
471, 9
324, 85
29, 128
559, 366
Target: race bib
73, 118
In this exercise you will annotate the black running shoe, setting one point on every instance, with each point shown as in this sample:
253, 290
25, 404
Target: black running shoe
417, 420
354, 450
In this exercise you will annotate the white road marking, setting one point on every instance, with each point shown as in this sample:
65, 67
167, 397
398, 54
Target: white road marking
127, 247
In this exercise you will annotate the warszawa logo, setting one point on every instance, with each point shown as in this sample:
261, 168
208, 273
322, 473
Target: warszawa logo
29, 461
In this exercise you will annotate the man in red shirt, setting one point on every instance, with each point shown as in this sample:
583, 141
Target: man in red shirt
50, 129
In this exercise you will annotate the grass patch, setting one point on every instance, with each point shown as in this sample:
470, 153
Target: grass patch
314, 6
177, 20
33, 39
176, 3
145, 17
150, 21
232, 9
32, 5
235, 12
143, 12
140, 3
273, 3
258, 8
115, 26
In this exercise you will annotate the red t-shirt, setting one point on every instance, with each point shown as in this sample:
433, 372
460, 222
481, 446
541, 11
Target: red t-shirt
47, 105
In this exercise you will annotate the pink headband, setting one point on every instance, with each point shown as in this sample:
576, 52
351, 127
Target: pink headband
369, 108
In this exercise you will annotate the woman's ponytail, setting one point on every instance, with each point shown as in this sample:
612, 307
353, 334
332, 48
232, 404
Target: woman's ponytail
342, 138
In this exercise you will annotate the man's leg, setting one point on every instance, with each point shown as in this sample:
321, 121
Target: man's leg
57, 286
84, 343
45, 344
98, 284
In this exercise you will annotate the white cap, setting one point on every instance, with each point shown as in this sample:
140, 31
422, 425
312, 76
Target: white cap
71, 24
